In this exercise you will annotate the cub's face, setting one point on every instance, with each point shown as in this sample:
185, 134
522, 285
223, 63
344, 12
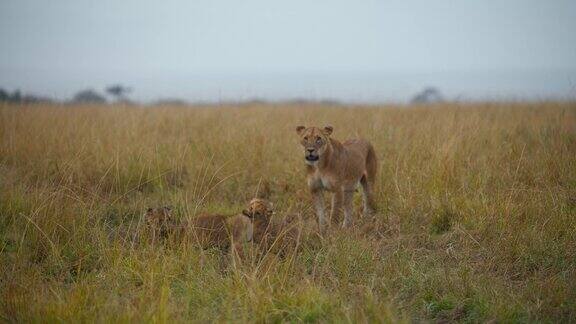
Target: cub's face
314, 140
259, 209
158, 217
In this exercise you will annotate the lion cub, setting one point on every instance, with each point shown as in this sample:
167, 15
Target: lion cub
255, 224
207, 230
160, 222
272, 233
220, 231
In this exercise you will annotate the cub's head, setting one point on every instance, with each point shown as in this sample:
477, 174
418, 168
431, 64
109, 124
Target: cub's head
259, 209
158, 217
314, 140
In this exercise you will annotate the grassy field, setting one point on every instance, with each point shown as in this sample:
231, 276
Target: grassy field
476, 220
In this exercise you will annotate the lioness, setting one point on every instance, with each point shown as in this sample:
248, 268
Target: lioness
339, 168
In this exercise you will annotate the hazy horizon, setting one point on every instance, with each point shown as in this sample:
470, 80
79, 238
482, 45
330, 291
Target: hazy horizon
364, 51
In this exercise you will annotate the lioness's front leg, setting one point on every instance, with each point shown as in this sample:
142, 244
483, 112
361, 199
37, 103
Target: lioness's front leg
318, 198
336, 206
347, 202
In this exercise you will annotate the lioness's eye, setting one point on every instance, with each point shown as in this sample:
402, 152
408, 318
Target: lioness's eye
318, 139
305, 138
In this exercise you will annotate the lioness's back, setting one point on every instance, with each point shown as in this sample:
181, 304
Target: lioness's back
359, 145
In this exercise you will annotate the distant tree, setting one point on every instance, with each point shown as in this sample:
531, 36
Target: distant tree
429, 95
35, 99
89, 96
16, 96
119, 92
171, 102
4, 95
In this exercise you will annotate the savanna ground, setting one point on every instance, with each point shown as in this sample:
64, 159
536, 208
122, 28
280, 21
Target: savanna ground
476, 220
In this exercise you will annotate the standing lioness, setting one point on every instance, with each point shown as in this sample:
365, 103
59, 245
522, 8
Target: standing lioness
339, 168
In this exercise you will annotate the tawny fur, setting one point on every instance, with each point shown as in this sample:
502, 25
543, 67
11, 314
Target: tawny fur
207, 230
338, 168
219, 230
160, 222
273, 233
256, 224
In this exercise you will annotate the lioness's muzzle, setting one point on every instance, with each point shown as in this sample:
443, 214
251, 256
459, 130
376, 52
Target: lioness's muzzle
312, 158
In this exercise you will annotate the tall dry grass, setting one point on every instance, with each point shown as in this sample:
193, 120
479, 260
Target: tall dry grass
477, 217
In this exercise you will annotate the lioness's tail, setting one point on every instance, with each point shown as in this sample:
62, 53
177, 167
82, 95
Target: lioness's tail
371, 165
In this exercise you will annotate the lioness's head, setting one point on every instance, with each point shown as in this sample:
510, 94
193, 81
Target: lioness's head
259, 209
158, 217
314, 140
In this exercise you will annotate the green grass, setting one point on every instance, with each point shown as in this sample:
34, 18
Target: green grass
476, 219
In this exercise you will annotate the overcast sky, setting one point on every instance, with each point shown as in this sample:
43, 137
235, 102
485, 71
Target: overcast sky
214, 49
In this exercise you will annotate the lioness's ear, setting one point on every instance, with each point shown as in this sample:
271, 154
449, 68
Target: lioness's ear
300, 129
246, 213
328, 130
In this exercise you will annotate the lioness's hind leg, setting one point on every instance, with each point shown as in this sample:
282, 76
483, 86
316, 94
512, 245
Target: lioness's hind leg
368, 180
368, 204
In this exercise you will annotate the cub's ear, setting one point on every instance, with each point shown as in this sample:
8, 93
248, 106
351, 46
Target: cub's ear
300, 129
328, 130
149, 210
